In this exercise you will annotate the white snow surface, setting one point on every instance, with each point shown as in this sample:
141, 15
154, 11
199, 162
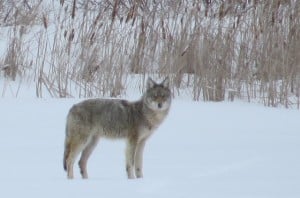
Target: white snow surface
208, 150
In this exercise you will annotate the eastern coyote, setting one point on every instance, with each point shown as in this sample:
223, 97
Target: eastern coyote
112, 118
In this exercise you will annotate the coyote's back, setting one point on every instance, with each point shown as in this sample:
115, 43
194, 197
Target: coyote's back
134, 121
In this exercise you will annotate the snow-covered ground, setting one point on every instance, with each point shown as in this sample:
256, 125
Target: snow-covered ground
221, 150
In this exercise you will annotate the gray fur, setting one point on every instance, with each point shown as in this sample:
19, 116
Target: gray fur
92, 119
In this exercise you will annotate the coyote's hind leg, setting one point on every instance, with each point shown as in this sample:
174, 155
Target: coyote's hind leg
71, 152
87, 151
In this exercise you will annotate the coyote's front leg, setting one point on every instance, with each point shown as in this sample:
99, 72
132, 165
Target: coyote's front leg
139, 158
130, 154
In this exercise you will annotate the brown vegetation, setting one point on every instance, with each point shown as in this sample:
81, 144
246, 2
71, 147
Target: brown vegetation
217, 49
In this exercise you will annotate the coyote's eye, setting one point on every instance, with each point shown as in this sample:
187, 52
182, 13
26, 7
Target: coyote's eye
159, 95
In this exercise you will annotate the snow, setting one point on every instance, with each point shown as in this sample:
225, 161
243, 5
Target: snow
201, 150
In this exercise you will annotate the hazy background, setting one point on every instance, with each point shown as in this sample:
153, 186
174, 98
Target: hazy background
213, 50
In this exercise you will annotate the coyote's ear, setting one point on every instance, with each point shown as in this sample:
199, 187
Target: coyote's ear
166, 82
150, 83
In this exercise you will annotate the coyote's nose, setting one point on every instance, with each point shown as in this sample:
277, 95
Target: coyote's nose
159, 105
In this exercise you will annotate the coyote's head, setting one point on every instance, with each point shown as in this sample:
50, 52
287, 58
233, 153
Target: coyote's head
158, 95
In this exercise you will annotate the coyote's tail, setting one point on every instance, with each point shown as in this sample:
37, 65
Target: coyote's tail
65, 159
67, 151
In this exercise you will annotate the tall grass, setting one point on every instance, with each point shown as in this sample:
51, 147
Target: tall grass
212, 50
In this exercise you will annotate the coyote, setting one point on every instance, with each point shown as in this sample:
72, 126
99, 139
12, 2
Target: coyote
91, 119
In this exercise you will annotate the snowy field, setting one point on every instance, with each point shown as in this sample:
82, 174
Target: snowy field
203, 150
